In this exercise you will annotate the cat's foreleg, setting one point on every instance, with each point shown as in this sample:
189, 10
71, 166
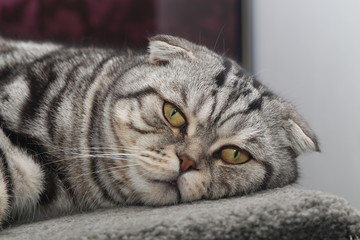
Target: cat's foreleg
21, 181
4, 192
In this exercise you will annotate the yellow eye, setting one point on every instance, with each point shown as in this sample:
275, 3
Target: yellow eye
173, 115
234, 155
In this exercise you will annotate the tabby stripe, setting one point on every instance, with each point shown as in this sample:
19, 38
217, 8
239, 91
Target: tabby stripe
139, 94
100, 98
48, 59
226, 186
45, 58
240, 73
9, 189
38, 93
89, 86
94, 134
119, 76
211, 188
5, 72
5, 51
267, 94
7, 176
96, 178
94, 98
256, 84
232, 99
214, 104
99, 67
229, 117
233, 96
254, 105
244, 93
95, 175
291, 152
220, 78
200, 103
183, 96
37, 90
96, 72
293, 156
33, 147
269, 171
214, 93
85, 82
116, 183
56, 102
39, 84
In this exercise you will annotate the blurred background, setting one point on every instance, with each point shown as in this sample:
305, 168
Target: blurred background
306, 51
309, 52
124, 22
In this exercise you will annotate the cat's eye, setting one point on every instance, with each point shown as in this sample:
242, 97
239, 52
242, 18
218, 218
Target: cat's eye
234, 155
173, 115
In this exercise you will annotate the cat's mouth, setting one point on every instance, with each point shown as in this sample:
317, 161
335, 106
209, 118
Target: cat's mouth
172, 183
176, 188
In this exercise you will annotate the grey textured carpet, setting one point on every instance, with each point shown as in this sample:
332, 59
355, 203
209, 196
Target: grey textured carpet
287, 213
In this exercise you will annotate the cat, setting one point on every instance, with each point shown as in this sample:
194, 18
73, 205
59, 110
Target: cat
84, 128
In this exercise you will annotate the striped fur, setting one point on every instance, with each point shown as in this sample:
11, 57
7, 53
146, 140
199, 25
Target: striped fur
83, 128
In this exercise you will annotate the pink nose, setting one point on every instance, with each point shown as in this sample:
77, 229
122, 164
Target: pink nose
186, 163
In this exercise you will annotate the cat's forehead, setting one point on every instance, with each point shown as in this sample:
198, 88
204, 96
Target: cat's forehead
203, 76
222, 96
226, 83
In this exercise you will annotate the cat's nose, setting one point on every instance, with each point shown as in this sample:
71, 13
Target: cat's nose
186, 163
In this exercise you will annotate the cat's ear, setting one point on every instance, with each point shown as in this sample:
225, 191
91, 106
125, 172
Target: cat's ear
300, 135
162, 48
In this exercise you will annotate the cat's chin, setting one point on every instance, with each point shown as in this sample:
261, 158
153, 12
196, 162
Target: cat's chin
162, 193
172, 192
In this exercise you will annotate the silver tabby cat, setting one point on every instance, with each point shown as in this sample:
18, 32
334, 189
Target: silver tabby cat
83, 128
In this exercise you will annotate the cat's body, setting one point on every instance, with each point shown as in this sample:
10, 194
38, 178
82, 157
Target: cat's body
83, 128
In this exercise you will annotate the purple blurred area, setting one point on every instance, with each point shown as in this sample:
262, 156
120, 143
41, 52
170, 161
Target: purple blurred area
214, 23
105, 22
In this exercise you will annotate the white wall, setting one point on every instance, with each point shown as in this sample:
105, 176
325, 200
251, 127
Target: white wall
309, 52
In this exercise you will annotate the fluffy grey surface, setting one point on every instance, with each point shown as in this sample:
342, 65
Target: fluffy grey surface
287, 213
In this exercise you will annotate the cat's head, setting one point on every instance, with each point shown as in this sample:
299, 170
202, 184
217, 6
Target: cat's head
195, 126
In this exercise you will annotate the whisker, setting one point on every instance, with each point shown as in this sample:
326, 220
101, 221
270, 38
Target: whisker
218, 37
61, 150
105, 170
83, 157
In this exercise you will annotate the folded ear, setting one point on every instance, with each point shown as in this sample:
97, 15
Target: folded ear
162, 48
301, 136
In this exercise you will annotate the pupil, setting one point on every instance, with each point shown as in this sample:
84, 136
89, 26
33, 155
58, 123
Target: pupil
236, 154
174, 111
